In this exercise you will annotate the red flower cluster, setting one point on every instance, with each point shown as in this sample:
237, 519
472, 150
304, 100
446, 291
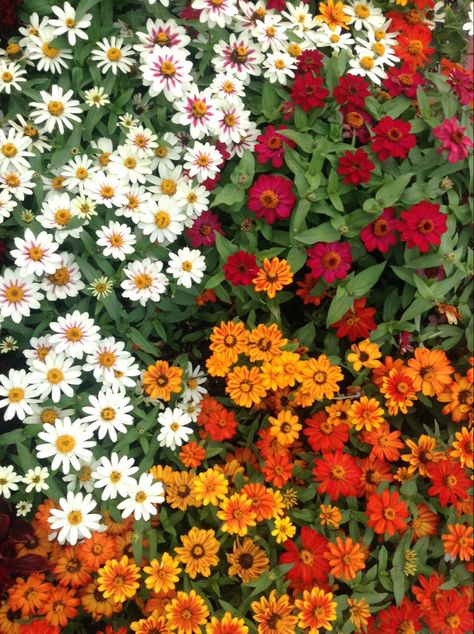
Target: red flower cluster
357, 322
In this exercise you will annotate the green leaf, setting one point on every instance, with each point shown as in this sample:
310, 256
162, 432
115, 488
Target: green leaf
224, 247
324, 233
230, 194
391, 192
296, 258
304, 141
298, 215
398, 579
339, 306
363, 282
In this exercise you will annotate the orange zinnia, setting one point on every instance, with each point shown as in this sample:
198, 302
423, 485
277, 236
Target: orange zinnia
274, 275
345, 558
333, 15
118, 579
274, 614
430, 371
227, 625
161, 379
162, 575
245, 386
399, 391
198, 552
385, 443
192, 455
425, 523
459, 541
237, 514
365, 413
229, 340
317, 610
278, 469
95, 551
285, 427
61, 606
265, 343
186, 613
29, 596
413, 48
459, 396
386, 513
422, 454
262, 500
154, 624
463, 447
70, 569
320, 378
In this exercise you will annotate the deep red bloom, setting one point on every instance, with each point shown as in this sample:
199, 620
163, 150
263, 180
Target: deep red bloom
202, 232
287, 109
351, 91
338, 474
188, 13
309, 61
357, 322
380, 234
240, 268
39, 627
455, 142
271, 197
323, 436
356, 167
394, 620
329, 260
310, 565
450, 614
392, 138
449, 482
422, 225
221, 424
308, 91
278, 5
402, 81
270, 146
462, 83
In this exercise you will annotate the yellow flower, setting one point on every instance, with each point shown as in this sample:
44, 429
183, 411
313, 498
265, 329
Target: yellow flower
210, 486
333, 15
284, 529
118, 579
320, 378
237, 514
163, 575
359, 613
330, 515
274, 275
364, 355
285, 427
198, 551
366, 414
245, 386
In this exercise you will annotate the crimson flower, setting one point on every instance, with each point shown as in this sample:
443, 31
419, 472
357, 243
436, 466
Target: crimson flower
402, 81
240, 268
449, 482
309, 562
455, 142
422, 225
462, 83
324, 436
270, 146
309, 61
354, 122
271, 197
308, 91
329, 260
380, 234
451, 610
394, 619
39, 627
351, 91
356, 167
338, 474
357, 322
392, 139
202, 232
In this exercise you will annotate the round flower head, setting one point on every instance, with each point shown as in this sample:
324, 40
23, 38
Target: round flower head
74, 519
330, 260
11, 76
187, 266
108, 413
114, 476
56, 110
166, 70
271, 197
66, 442
112, 55
240, 56
202, 161
174, 428
145, 281
422, 226
16, 394
76, 334
143, 496
163, 220
54, 376
14, 150
18, 295
117, 240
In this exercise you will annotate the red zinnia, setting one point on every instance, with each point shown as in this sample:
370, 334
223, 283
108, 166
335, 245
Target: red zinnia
462, 83
422, 225
449, 482
308, 91
324, 436
386, 513
270, 146
240, 268
310, 565
357, 322
429, 593
39, 627
356, 167
221, 425
351, 90
412, 46
271, 197
354, 123
338, 474
392, 139
309, 61
329, 260
278, 469
450, 614
202, 232
380, 234
401, 81
405, 618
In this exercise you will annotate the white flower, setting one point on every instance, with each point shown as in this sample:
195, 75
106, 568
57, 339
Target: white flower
215, 13
363, 15
35, 479
65, 281
142, 498
227, 86
7, 205
14, 150
74, 519
56, 109
367, 65
167, 182
300, 18
18, 183
83, 207
187, 266
128, 120
162, 220
57, 213
168, 150
108, 357
8, 480
117, 239
76, 334
335, 39
66, 23
10, 344
203, 161
383, 54
124, 378
142, 140
194, 199
114, 476
241, 56
109, 413
469, 25
127, 165
198, 110
137, 197
38, 139
66, 442
48, 414
279, 67
35, 255
18, 295
112, 55
11, 76
40, 347
81, 479
23, 508
77, 171
194, 390
106, 190
47, 57
191, 408
161, 33
166, 70
54, 376
145, 281
96, 97
174, 428
233, 121
270, 34
16, 394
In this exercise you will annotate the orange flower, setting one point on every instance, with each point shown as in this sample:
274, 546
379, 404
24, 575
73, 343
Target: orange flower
274, 615
345, 558
364, 355
374, 471
277, 469
430, 371
245, 386
262, 500
463, 447
70, 569
229, 340
274, 275
210, 486
385, 443
61, 606
459, 396
425, 523
198, 552
359, 613
247, 560
384, 368
237, 514
365, 413
161, 379
227, 625
192, 455
329, 515
186, 613
333, 15
459, 541
399, 391
162, 575
154, 624
118, 579
95, 551
422, 454
180, 491
317, 610
94, 603
265, 342
285, 427
29, 596
386, 513
412, 46
320, 378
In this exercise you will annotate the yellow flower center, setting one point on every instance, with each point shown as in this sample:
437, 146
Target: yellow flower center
62, 217
55, 376
55, 108
367, 62
140, 497
162, 220
362, 11
60, 277
230, 120
108, 413
142, 281
16, 394
187, 266
74, 334
168, 68
107, 191
114, 54
116, 240
14, 294
9, 150
115, 477
12, 180
81, 173
106, 359
199, 108
49, 416
70, 23
378, 48
65, 443
130, 163
7, 77
168, 186
49, 51
74, 518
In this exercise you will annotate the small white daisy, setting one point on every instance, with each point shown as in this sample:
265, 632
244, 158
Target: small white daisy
56, 110
187, 266
12, 75
108, 414
166, 70
202, 161
35, 479
66, 22
227, 86
35, 255
16, 394
108, 357
66, 442
77, 171
162, 220
75, 334
113, 55
142, 498
14, 150
106, 190
117, 240
142, 140
198, 110
74, 519
214, 13
65, 281
19, 294
23, 508
57, 213
54, 376
279, 67
137, 197
194, 390
194, 199
127, 165
96, 97
114, 476
18, 183
8, 481
145, 281
174, 428
7, 205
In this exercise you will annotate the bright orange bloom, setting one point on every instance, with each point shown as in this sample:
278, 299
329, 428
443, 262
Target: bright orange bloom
245, 386
422, 454
425, 523
430, 371
459, 541
95, 551
29, 596
463, 447
345, 558
373, 472
320, 378
366, 414
384, 368
70, 569
42, 515
61, 607
277, 469
227, 625
386, 513
317, 610
265, 342
273, 276
333, 15
359, 613
210, 486
450, 312
247, 560
459, 396
237, 514
229, 340
285, 427
289, 365
399, 391
161, 379
330, 515
118, 579
262, 500
186, 613
152, 625
338, 474
385, 443
198, 552
180, 491
217, 365
413, 48
94, 603
192, 455
162, 575
365, 354
273, 615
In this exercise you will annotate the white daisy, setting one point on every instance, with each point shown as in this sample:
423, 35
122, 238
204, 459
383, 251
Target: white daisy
66, 22
227, 86
127, 165
300, 19
194, 199
117, 239
56, 110
240, 56
96, 97
114, 476
198, 110
383, 54
162, 220
83, 207
364, 15
128, 121
77, 171
82, 478
214, 13
202, 161
233, 122
57, 213
142, 498
47, 414
65, 442
108, 414
194, 390
191, 408
40, 347
48, 58
113, 55
38, 139
161, 33
18, 294
174, 428
7, 205
12, 75
76, 334
74, 519
35, 255
8, 481
16, 394
187, 266
145, 281
14, 150
35, 479
18, 183
23, 508
270, 34
142, 141
367, 65
335, 39
166, 70
9, 344
125, 377
106, 190
469, 25
279, 67
167, 152
137, 197
54, 376
65, 281
166, 184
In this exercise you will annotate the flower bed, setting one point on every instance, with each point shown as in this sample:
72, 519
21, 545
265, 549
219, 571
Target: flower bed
236, 312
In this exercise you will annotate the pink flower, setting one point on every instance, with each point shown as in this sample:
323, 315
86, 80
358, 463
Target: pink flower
455, 142
202, 232
329, 260
271, 197
270, 146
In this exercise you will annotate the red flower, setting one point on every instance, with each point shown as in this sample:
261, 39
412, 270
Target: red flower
357, 322
422, 226
455, 142
309, 61
386, 513
356, 167
324, 436
450, 614
310, 565
405, 618
462, 83
270, 146
39, 627
351, 91
355, 122
412, 46
401, 81
380, 234
449, 482
338, 474
429, 593
308, 91
240, 268
271, 197
221, 425
329, 260
392, 139
202, 232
